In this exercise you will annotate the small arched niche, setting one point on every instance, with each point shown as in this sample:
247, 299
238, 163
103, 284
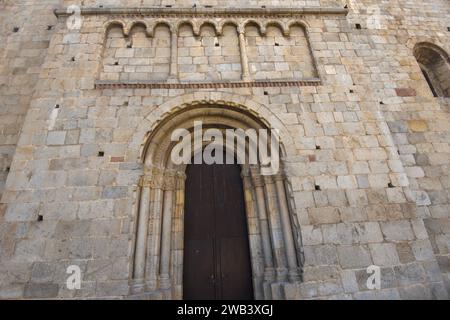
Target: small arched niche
434, 63
157, 269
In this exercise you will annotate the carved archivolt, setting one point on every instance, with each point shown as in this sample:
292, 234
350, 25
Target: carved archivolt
158, 256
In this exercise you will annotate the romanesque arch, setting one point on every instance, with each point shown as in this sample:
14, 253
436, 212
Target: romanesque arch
435, 65
158, 251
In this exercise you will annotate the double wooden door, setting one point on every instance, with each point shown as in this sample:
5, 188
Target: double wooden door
216, 246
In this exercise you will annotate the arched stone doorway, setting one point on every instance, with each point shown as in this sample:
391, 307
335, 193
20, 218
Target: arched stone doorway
157, 269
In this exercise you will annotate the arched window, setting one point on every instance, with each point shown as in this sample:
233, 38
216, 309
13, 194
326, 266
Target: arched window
434, 63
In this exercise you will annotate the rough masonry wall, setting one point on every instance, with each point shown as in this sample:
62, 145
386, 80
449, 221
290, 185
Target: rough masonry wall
138, 57
370, 180
24, 40
276, 56
418, 121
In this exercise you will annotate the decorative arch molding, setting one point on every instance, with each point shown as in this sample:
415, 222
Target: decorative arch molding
433, 47
157, 269
434, 63
111, 74
153, 119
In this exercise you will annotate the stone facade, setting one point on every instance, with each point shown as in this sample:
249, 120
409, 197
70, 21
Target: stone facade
360, 95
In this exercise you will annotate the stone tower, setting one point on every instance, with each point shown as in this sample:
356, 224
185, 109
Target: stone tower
91, 91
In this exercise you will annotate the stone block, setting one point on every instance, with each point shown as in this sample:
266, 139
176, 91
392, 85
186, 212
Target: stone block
320, 255
56, 137
397, 230
384, 254
41, 290
354, 256
408, 274
418, 125
405, 92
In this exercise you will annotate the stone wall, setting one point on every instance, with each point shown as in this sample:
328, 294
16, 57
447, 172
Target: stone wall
369, 177
26, 28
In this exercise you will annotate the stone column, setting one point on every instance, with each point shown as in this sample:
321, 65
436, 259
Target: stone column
275, 228
287, 229
173, 55
154, 235
264, 225
244, 57
178, 235
254, 236
166, 235
141, 233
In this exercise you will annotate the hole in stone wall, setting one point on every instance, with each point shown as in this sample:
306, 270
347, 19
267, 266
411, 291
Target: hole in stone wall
125, 103
129, 46
390, 185
448, 29
40, 218
266, 93
318, 148
73, 59
277, 44
317, 187
217, 44
8, 169
358, 26
208, 6
351, 91
381, 102
16, 29
168, 6
101, 153
49, 27
116, 63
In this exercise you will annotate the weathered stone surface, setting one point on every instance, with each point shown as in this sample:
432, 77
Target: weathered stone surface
354, 256
365, 143
41, 290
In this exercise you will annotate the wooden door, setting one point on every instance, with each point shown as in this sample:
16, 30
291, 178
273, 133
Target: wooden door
216, 248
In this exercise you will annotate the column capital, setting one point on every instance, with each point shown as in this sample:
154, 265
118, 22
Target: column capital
168, 182
145, 181
268, 179
280, 176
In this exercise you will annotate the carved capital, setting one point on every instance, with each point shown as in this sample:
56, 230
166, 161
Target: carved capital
169, 181
279, 177
145, 181
268, 179
258, 181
